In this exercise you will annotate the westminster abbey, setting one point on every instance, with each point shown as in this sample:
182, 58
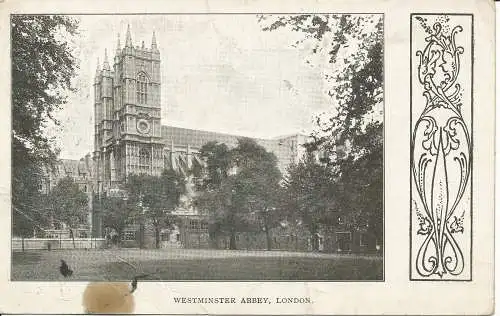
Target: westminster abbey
129, 136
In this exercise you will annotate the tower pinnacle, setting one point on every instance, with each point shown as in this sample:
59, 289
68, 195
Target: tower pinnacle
118, 44
98, 69
153, 42
105, 65
128, 38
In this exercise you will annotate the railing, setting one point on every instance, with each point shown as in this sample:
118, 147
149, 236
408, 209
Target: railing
55, 243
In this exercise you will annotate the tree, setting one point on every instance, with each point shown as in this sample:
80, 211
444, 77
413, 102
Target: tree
68, 204
42, 68
25, 199
351, 134
311, 194
117, 213
260, 177
218, 162
158, 195
240, 185
363, 186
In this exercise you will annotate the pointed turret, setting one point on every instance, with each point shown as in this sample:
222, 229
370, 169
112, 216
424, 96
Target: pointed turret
128, 39
118, 51
153, 42
105, 66
98, 68
118, 48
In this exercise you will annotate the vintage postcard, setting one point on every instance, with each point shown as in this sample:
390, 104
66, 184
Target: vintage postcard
248, 157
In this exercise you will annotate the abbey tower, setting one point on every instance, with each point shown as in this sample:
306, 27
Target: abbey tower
127, 111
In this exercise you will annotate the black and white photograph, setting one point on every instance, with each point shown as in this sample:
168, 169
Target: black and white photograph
197, 147
248, 157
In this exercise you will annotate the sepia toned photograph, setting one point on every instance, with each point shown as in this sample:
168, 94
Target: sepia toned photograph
184, 147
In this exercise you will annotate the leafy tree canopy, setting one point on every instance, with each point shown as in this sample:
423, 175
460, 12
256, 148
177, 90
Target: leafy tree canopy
43, 65
117, 213
239, 185
311, 194
68, 203
158, 195
349, 50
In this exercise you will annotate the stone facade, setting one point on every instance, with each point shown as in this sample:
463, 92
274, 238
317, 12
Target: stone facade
128, 115
130, 139
129, 136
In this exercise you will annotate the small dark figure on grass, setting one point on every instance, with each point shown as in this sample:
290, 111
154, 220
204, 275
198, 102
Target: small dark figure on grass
65, 270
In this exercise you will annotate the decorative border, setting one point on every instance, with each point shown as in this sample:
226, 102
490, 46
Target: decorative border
440, 149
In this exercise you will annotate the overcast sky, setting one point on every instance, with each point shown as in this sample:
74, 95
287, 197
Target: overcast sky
219, 73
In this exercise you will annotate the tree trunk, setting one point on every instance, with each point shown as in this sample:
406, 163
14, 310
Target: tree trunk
212, 236
232, 240
157, 236
22, 242
120, 237
72, 237
268, 233
313, 232
268, 238
141, 234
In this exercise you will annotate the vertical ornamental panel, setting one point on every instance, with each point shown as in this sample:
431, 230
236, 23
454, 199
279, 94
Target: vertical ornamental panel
441, 147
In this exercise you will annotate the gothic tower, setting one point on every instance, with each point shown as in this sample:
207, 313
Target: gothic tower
127, 115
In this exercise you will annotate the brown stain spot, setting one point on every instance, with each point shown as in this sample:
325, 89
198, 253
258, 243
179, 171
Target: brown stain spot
108, 297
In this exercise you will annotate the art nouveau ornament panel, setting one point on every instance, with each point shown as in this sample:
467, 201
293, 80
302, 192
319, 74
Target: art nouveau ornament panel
441, 147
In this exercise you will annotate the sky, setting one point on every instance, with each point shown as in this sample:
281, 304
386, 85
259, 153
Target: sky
219, 73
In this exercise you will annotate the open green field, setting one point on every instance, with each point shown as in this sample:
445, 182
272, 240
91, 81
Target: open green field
193, 264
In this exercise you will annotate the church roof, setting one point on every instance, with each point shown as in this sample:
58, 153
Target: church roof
181, 137
73, 168
68, 166
194, 138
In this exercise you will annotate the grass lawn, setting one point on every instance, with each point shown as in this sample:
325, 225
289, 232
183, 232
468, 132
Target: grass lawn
183, 264
252, 268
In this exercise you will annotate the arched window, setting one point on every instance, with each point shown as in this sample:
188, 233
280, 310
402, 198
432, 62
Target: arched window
144, 160
142, 89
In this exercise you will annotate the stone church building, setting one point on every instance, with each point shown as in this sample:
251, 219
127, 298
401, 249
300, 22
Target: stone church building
129, 137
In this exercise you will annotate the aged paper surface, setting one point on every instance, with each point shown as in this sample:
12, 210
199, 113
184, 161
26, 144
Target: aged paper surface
221, 71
